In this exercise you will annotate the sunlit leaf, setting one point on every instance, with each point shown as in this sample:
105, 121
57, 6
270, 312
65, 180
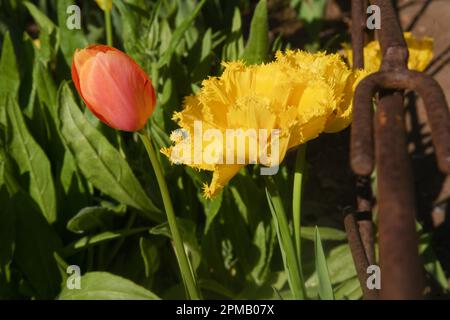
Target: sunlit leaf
106, 286
99, 161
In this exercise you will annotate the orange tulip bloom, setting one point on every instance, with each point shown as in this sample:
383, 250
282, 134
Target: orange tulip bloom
114, 87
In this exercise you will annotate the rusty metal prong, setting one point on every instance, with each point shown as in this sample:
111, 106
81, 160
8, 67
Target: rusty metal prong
358, 26
358, 253
435, 104
361, 143
438, 117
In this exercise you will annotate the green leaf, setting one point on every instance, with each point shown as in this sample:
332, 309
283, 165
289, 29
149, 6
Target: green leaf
89, 241
349, 289
212, 208
248, 198
257, 48
290, 260
7, 171
312, 10
178, 34
41, 19
188, 234
431, 263
31, 159
99, 161
9, 76
48, 34
312, 14
107, 286
325, 288
7, 230
200, 63
264, 240
46, 89
90, 218
149, 253
234, 45
340, 266
327, 234
69, 40
36, 242
135, 24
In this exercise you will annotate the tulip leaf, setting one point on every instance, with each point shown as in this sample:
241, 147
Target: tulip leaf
35, 245
325, 288
178, 34
98, 160
9, 75
149, 253
106, 286
42, 20
32, 160
350, 290
90, 218
212, 208
188, 234
257, 48
45, 88
340, 266
7, 230
7, 171
89, 241
48, 35
327, 234
234, 45
431, 264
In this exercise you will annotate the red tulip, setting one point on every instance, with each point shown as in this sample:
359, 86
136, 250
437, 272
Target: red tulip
114, 87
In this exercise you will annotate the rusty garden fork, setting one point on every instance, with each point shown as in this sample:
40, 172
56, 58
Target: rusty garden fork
401, 269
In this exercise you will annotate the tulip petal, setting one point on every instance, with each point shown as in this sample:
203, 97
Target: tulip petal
291, 99
113, 86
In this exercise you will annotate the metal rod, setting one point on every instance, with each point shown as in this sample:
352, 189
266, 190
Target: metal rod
401, 269
359, 225
359, 254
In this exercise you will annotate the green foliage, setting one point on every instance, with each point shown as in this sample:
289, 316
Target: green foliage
9, 76
325, 289
31, 160
100, 162
71, 195
257, 48
311, 13
106, 286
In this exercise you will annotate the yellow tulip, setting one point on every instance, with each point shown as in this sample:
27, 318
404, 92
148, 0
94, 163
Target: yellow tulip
420, 53
298, 96
105, 5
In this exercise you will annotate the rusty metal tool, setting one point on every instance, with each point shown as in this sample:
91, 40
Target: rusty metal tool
380, 141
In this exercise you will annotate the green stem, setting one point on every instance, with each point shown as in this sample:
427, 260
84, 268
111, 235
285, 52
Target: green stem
290, 260
108, 27
297, 194
186, 269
